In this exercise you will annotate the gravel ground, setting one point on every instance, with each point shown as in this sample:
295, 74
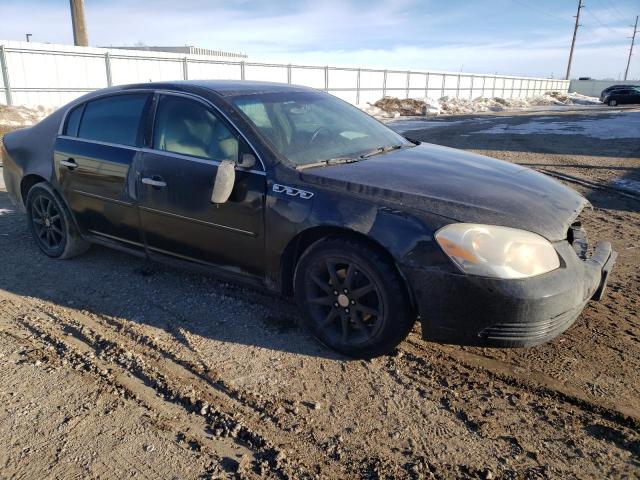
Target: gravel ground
112, 367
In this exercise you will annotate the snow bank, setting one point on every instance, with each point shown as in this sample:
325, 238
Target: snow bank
390, 107
20, 116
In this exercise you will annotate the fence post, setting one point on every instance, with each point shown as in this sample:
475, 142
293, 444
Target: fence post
471, 91
458, 86
384, 84
408, 82
493, 88
5, 75
289, 74
242, 72
426, 86
358, 88
107, 67
484, 80
326, 78
185, 68
444, 83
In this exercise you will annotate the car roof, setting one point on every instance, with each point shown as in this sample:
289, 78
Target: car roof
225, 88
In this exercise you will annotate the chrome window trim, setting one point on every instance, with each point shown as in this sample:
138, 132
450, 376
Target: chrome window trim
197, 160
153, 91
98, 142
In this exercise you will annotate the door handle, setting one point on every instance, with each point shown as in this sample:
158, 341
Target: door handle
154, 182
69, 163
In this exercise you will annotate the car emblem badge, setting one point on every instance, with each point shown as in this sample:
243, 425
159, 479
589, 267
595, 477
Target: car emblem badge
294, 192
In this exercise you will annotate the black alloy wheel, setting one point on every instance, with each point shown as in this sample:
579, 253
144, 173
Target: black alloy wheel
353, 298
47, 224
51, 224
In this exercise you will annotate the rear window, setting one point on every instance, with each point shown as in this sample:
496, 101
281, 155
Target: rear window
114, 119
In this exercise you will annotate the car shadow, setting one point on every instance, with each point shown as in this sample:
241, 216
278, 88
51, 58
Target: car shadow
108, 284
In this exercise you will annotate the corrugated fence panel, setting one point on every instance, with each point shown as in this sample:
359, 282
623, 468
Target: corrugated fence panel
266, 73
312, 77
52, 75
136, 70
214, 71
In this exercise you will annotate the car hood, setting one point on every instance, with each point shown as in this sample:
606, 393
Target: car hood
459, 185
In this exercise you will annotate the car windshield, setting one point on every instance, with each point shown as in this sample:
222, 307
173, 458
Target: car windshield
310, 128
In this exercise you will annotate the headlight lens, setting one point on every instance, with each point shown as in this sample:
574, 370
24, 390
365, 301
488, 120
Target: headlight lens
497, 252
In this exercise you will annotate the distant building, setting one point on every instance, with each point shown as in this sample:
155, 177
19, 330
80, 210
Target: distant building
187, 49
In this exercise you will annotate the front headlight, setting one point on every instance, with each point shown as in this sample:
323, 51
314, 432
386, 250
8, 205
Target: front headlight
497, 252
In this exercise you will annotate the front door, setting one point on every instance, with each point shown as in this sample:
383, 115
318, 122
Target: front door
93, 160
175, 183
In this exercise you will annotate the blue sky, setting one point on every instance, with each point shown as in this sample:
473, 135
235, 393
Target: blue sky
519, 37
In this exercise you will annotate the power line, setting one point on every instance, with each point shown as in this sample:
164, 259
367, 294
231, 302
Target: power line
540, 11
613, 6
593, 15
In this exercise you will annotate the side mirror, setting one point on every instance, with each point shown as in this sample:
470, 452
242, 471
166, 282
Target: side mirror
225, 180
247, 161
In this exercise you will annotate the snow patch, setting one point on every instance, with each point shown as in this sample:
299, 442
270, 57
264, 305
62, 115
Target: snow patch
623, 125
21, 116
390, 107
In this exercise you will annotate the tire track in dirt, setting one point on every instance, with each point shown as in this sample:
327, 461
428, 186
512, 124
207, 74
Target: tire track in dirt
84, 342
529, 380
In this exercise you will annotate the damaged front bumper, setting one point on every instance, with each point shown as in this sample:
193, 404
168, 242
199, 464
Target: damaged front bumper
469, 310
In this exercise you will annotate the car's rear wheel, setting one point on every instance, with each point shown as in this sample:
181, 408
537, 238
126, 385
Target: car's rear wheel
613, 103
51, 224
352, 298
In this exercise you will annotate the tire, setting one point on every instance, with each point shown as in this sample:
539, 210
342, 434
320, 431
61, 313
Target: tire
51, 224
352, 298
613, 103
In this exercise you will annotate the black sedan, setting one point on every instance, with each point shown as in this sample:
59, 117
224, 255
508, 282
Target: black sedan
298, 192
622, 96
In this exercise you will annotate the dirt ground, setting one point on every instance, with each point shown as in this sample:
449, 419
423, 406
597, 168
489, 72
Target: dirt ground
112, 367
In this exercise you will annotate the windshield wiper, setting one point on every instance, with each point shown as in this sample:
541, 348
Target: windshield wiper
329, 161
339, 160
380, 150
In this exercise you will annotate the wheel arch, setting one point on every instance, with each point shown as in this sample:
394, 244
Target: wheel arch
303, 240
27, 182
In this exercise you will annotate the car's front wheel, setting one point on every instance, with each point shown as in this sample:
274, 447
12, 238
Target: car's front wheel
352, 298
613, 103
51, 224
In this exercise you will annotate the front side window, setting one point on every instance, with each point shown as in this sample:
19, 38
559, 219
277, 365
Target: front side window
114, 119
188, 127
311, 127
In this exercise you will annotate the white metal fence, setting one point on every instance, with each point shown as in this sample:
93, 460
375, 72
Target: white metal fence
52, 75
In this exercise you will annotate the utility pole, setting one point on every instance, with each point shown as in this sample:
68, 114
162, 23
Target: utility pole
573, 42
28, 36
633, 40
79, 23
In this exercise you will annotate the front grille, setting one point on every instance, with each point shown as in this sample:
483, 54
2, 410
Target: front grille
529, 331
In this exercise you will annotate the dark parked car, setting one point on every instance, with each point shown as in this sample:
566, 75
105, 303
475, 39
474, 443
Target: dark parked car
610, 89
301, 193
622, 96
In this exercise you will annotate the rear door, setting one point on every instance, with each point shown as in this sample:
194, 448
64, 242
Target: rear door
176, 179
93, 160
